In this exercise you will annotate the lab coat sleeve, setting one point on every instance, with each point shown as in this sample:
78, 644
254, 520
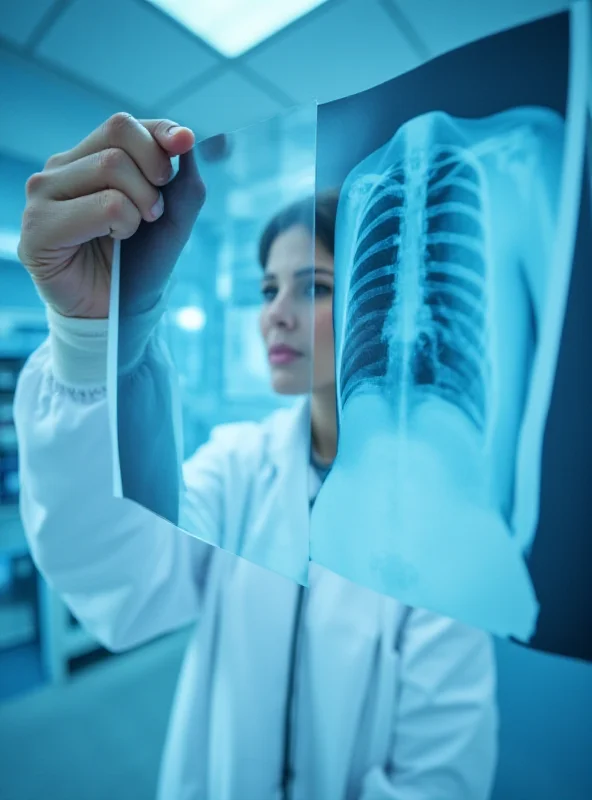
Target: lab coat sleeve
126, 574
446, 727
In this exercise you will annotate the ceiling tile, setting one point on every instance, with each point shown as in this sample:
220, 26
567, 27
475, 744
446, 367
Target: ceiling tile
19, 19
350, 47
127, 48
225, 103
53, 113
447, 24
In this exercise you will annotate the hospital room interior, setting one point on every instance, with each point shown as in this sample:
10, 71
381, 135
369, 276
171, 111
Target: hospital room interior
80, 720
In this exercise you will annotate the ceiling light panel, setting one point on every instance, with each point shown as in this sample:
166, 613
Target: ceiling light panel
234, 26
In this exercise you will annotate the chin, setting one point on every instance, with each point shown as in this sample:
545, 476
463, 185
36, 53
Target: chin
289, 388
282, 382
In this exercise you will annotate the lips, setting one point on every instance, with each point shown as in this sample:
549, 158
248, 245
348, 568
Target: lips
281, 354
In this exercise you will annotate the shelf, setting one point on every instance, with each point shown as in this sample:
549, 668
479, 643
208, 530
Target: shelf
17, 624
60, 641
21, 331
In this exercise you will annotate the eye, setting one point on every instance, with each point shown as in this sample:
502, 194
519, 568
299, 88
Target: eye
268, 293
320, 290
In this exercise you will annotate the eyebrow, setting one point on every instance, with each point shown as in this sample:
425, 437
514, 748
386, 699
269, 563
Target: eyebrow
304, 272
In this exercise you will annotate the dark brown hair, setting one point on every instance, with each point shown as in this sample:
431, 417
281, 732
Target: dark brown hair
319, 211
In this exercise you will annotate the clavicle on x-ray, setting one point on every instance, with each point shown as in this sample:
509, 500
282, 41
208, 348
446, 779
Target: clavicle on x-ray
443, 248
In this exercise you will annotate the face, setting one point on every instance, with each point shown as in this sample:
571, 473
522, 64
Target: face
298, 332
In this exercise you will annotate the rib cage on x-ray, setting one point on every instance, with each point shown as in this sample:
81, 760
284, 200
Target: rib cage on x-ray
417, 302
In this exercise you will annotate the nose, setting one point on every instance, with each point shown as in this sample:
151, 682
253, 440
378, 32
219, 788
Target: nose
282, 313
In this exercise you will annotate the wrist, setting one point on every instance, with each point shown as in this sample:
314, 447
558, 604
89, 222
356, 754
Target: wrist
78, 349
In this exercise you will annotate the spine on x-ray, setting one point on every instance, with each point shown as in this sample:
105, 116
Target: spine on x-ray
417, 301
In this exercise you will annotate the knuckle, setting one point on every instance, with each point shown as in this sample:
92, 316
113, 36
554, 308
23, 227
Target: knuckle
162, 126
113, 203
34, 183
111, 160
54, 161
117, 124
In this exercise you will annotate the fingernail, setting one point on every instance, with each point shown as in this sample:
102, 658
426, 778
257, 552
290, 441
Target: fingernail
157, 208
173, 130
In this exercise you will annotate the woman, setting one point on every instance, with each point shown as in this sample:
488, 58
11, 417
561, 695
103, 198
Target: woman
334, 692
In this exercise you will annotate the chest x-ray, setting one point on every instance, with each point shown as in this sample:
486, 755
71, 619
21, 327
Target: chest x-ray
443, 275
453, 253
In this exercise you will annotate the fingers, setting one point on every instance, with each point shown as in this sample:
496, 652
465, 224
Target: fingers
114, 213
124, 132
108, 183
109, 169
55, 225
174, 139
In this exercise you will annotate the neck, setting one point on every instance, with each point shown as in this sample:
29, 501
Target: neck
324, 424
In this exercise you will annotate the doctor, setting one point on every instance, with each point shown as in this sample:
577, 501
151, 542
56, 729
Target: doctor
329, 693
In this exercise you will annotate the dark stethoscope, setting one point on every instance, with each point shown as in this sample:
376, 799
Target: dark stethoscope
287, 776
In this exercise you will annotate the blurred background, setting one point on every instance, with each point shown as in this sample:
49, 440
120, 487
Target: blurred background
75, 721
212, 321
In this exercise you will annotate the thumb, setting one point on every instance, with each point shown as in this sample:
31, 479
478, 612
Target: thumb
185, 194
174, 139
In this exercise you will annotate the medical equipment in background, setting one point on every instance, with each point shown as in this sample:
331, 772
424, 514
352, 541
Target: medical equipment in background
30, 610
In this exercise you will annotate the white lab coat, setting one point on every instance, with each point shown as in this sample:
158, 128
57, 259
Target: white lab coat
391, 704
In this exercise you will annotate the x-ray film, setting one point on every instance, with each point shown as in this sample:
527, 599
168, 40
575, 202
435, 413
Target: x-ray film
462, 270
186, 375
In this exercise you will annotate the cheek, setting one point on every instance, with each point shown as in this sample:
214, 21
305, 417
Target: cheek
324, 327
264, 322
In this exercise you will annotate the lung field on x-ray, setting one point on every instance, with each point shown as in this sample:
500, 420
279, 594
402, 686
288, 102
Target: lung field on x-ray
416, 308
